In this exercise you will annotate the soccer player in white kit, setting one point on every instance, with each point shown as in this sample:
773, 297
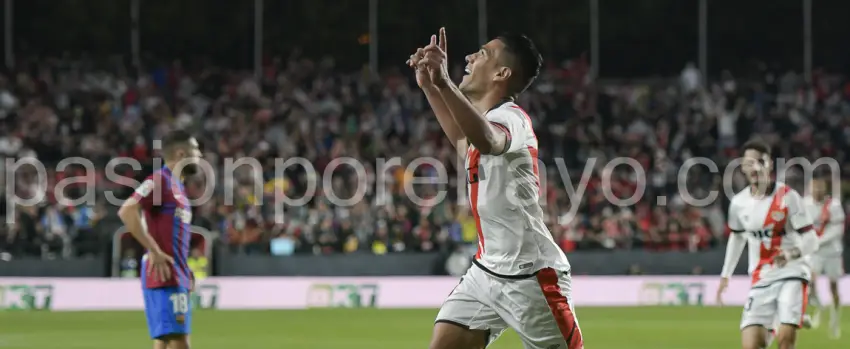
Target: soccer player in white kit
770, 218
520, 278
828, 215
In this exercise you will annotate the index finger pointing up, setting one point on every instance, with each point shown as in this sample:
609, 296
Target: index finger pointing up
442, 42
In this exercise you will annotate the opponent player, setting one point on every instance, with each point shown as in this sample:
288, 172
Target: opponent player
770, 217
166, 278
828, 216
520, 277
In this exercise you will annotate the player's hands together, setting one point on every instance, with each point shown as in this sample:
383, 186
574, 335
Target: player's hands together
435, 60
782, 258
424, 74
423, 79
724, 283
160, 265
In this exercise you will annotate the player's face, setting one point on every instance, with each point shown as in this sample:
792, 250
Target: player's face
756, 166
818, 188
191, 157
483, 68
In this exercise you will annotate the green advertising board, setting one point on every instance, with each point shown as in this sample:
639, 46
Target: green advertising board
672, 293
205, 297
25, 296
342, 295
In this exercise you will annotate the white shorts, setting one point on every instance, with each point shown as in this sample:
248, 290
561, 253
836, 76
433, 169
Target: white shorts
831, 267
538, 308
783, 301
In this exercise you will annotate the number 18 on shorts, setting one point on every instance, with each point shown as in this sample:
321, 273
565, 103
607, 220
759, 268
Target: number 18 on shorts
168, 311
783, 301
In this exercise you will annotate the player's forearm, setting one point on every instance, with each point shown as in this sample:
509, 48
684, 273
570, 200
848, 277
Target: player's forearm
832, 233
471, 121
734, 248
444, 116
132, 220
808, 243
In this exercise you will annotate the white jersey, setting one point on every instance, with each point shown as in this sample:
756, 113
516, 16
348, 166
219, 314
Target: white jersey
828, 219
504, 193
770, 223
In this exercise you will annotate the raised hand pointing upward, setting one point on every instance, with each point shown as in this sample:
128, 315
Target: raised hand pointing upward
435, 60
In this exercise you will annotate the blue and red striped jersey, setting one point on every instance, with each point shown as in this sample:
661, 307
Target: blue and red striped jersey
168, 216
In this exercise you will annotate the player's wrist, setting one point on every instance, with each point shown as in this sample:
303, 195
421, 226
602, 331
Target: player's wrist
793, 253
156, 251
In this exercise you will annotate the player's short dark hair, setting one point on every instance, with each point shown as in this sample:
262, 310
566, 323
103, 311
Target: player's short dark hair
526, 64
175, 139
758, 145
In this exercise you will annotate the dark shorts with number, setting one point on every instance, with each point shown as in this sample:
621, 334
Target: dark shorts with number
168, 310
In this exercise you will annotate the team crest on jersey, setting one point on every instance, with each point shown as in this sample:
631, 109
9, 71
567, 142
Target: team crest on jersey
777, 215
184, 215
145, 188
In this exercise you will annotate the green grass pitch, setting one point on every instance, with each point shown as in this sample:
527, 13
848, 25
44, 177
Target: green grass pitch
604, 328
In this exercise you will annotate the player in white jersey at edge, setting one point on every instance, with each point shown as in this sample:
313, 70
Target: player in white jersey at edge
520, 278
828, 216
770, 218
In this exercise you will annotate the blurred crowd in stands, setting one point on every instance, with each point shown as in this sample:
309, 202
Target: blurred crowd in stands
52, 109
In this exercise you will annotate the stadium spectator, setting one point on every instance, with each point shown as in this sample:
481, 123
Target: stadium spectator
129, 267
199, 264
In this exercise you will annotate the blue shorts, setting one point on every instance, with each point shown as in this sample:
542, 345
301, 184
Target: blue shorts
168, 310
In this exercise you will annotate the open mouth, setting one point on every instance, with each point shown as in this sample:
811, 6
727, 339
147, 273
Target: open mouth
467, 71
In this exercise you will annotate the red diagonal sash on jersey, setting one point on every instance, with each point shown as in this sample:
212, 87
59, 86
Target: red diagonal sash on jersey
474, 162
824, 216
776, 216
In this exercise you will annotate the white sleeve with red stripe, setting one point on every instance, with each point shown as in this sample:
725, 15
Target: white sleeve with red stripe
834, 228
515, 125
735, 245
798, 217
800, 221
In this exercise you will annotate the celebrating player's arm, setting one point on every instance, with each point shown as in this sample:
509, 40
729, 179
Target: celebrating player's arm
432, 94
734, 248
130, 214
487, 137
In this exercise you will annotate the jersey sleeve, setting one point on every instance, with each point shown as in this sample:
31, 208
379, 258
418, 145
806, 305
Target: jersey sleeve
513, 122
733, 220
149, 193
836, 213
833, 229
798, 216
